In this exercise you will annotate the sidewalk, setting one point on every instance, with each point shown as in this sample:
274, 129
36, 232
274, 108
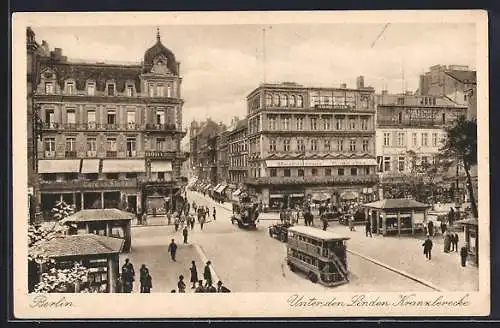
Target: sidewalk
406, 254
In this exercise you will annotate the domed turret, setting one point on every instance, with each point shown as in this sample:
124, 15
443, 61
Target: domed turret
158, 52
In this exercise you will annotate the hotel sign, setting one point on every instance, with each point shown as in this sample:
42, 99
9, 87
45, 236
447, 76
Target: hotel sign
160, 154
320, 162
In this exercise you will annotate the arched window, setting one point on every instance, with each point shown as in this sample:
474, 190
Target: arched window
300, 101
276, 99
284, 101
292, 101
269, 99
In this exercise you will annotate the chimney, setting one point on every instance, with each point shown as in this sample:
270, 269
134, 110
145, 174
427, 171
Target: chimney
343, 85
360, 82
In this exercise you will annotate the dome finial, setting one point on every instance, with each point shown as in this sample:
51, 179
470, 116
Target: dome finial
158, 34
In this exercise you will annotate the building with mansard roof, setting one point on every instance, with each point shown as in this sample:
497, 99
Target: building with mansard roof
110, 134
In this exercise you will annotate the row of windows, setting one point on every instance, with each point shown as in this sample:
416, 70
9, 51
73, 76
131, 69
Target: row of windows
315, 144
111, 116
284, 123
424, 139
284, 100
154, 89
287, 172
402, 163
49, 146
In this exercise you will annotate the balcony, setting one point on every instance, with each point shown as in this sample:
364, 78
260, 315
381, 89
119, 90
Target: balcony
431, 123
70, 154
323, 180
111, 154
161, 127
74, 185
156, 154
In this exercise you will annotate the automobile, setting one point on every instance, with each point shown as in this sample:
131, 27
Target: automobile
359, 218
280, 231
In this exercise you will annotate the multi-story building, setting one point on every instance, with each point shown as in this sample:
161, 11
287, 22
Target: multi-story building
111, 132
410, 130
222, 158
203, 149
455, 82
308, 143
238, 153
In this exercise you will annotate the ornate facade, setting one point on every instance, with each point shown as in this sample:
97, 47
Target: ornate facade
110, 134
307, 143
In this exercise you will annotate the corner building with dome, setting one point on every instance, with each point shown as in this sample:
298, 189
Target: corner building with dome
106, 135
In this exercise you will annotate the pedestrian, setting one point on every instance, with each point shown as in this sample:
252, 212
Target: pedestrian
142, 277
192, 221
200, 288
456, 242
428, 247
213, 213
119, 284
325, 222
202, 222
173, 291
443, 227
430, 228
176, 224
211, 289
185, 234
181, 286
144, 220
452, 241
169, 218
351, 222
207, 274
148, 283
368, 228
128, 276
172, 249
447, 241
221, 288
194, 274
463, 255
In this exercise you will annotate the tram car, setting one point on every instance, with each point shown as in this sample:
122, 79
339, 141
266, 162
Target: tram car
245, 213
321, 255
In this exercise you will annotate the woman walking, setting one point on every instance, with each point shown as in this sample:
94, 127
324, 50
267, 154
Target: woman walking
194, 274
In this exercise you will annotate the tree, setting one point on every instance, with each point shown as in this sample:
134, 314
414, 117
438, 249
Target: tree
461, 145
51, 278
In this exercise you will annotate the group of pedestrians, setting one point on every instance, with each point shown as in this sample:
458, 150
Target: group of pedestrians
450, 240
125, 281
197, 284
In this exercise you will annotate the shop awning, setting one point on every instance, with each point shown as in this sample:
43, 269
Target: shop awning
276, 196
298, 195
349, 195
161, 166
320, 196
216, 187
90, 166
59, 166
221, 188
207, 186
237, 193
123, 165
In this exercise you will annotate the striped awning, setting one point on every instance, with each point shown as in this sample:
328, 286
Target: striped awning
237, 193
221, 188
207, 186
59, 166
123, 165
161, 166
90, 166
217, 187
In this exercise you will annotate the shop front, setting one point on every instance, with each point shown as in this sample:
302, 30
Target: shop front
396, 216
471, 238
285, 198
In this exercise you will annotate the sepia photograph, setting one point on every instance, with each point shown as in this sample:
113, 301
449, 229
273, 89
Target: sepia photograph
302, 163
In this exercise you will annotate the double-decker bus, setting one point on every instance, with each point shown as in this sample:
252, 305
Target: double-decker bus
321, 255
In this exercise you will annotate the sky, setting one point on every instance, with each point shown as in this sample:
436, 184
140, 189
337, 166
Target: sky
222, 64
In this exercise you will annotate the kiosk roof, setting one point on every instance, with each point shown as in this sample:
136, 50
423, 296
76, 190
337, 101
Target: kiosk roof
317, 233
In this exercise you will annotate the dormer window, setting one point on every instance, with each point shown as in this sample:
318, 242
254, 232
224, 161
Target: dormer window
49, 88
70, 88
91, 88
111, 89
130, 90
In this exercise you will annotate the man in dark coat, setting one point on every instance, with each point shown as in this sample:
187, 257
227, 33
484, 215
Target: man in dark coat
463, 255
185, 234
194, 274
368, 227
213, 213
430, 228
172, 249
148, 283
128, 275
427, 247
207, 274
325, 222
456, 242
221, 288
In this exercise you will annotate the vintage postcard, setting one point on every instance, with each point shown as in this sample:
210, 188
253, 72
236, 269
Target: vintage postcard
304, 164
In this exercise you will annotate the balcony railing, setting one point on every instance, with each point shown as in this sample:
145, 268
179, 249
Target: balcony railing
111, 153
70, 154
92, 126
339, 179
408, 123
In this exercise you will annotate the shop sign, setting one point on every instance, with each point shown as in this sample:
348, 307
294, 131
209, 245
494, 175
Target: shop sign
322, 162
